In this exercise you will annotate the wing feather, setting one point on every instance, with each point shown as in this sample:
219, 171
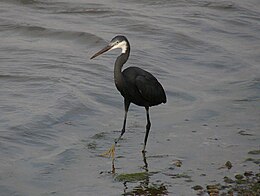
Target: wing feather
143, 87
150, 89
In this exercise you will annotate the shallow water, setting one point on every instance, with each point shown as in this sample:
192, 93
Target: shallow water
60, 110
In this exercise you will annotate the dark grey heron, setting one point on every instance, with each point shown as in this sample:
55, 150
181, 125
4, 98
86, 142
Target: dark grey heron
135, 85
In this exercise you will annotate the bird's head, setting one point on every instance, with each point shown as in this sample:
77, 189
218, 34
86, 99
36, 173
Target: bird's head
119, 41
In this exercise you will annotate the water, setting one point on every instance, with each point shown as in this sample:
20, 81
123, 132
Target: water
60, 110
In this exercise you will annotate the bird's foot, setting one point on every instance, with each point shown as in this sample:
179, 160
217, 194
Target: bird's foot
110, 153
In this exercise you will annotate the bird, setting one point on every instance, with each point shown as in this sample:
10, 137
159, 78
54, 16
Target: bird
136, 85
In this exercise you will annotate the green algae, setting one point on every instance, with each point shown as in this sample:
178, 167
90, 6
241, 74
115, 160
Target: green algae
132, 177
151, 189
197, 187
256, 161
254, 152
100, 135
92, 145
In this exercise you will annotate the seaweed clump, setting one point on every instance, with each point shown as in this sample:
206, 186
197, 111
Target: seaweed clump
247, 184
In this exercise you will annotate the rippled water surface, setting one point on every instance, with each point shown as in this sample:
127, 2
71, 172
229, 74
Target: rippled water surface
60, 110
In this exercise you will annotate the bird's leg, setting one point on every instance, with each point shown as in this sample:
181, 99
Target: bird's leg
127, 104
148, 126
111, 151
123, 129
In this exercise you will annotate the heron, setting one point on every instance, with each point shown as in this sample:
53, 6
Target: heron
136, 85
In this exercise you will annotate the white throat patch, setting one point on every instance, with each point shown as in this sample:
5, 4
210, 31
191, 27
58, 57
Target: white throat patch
122, 45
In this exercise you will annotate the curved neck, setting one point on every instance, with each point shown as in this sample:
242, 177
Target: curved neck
120, 61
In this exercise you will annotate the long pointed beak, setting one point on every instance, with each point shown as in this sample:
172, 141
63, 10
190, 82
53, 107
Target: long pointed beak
101, 51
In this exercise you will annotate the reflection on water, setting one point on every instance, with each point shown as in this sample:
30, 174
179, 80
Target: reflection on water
144, 186
145, 161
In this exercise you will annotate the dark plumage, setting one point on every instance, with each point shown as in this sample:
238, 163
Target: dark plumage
135, 84
143, 88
